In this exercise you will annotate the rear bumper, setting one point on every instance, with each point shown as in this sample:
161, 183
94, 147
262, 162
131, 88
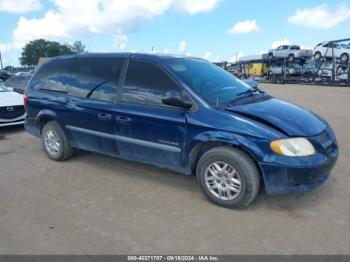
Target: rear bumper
31, 127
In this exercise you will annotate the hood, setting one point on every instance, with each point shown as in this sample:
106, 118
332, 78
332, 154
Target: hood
283, 116
10, 99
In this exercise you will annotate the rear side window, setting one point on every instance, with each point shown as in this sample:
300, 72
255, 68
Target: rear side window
146, 84
96, 78
53, 76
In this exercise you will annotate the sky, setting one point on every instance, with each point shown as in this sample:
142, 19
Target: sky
217, 30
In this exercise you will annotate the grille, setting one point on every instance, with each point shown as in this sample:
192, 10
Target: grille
10, 112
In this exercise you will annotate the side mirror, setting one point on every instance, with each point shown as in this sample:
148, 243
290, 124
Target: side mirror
174, 99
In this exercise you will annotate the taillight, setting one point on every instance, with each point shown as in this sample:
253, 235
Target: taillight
25, 100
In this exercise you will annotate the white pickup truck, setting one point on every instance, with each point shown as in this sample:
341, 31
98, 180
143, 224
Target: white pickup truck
291, 52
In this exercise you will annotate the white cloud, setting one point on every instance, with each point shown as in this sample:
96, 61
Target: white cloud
5, 47
236, 56
19, 6
120, 41
72, 19
320, 17
196, 6
217, 59
167, 51
182, 46
243, 27
277, 43
207, 55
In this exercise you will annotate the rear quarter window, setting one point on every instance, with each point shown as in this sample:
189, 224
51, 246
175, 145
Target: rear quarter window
53, 76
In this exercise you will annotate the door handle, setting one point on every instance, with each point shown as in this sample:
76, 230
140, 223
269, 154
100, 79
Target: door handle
104, 116
123, 119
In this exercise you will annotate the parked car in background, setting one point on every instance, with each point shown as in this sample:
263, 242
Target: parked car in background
326, 72
11, 107
324, 49
308, 72
18, 82
276, 69
290, 51
234, 73
183, 114
4, 75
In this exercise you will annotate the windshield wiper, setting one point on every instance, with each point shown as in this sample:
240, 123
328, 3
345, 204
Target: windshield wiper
250, 91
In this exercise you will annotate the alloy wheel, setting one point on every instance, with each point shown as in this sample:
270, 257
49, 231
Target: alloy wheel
223, 180
52, 142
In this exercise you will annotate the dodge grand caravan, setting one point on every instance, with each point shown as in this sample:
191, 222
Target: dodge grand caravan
182, 114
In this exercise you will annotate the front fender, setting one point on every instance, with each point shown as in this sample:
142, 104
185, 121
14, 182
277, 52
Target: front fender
250, 146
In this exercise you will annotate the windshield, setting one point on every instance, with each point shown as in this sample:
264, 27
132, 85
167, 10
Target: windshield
207, 80
346, 46
3, 88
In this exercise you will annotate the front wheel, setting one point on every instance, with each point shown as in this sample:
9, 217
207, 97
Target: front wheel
317, 56
228, 177
55, 142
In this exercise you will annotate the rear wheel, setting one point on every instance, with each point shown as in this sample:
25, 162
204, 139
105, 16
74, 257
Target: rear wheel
228, 177
55, 142
344, 57
291, 58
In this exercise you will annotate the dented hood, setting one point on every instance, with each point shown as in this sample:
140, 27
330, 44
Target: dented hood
283, 116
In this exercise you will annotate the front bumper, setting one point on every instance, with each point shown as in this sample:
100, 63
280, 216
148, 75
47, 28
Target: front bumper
17, 123
301, 174
12, 122
286, 179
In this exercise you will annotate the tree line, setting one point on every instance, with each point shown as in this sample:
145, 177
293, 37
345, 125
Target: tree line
43, 48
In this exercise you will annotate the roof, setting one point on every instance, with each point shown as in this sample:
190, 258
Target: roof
147, 56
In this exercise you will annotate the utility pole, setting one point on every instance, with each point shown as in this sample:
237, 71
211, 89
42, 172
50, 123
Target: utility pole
1, 61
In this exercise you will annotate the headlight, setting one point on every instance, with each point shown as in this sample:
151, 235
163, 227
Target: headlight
293, 147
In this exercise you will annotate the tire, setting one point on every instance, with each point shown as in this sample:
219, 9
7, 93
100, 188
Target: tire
55, 143
291, 58
274, 79
344, 57
317, 56
246, 173
279, 79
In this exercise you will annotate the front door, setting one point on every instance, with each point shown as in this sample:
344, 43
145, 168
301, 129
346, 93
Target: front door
149, 131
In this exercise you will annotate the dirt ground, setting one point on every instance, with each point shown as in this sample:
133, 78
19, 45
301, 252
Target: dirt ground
94, 204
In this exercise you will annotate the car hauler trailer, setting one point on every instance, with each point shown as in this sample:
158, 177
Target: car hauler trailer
327, 70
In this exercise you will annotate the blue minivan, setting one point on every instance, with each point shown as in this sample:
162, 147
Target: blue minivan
183, 114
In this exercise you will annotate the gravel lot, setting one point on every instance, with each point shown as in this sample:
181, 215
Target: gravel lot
94, 204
